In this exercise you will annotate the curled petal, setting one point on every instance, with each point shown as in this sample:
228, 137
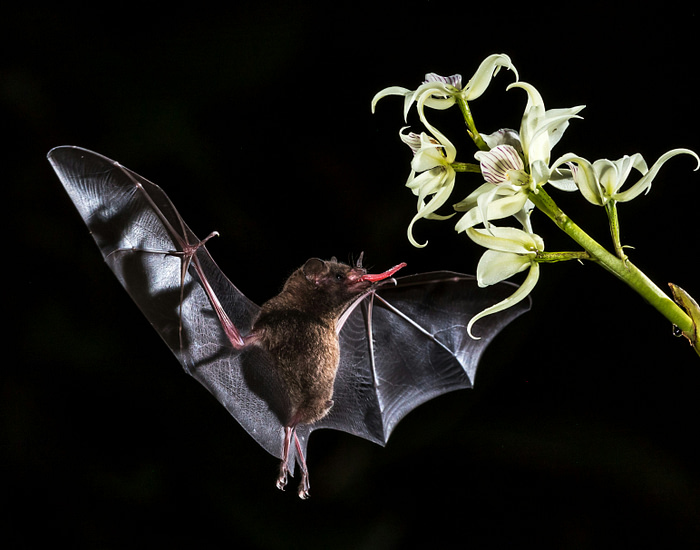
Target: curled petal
644, 184
482, 77
394, 90
426, 210
519, 295
534, 98
434, 103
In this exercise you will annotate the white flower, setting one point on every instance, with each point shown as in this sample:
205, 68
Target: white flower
510, 251
517, 163
431, 175
438, 92
602, 180
540, 131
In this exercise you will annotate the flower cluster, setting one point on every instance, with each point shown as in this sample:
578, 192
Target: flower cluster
515, 167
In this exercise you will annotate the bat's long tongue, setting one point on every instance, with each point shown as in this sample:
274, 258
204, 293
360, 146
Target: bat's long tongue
381, 276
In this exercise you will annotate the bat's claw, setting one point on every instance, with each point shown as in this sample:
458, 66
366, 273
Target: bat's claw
282, 479
304, 486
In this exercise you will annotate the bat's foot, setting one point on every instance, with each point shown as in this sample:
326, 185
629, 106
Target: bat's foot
282, 479
304, 486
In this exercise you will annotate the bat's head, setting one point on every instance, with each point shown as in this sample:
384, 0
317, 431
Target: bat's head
339, 282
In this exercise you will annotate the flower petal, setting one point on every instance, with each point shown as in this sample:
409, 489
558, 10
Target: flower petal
495, 266
546, 130
411, 139
470, 200
539, 173
427, 210
625, 165
519, 295
496, 210
454, 80
496, 163
563, 178
428, 158
608, 177
540, 130
391, 90
507, 239
644, 184
426, 183
585, 178
487, 70
557, 121
504, 136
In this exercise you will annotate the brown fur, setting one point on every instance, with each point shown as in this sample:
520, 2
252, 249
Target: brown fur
297, 327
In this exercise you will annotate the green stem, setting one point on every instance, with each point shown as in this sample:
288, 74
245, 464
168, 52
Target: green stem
622, 269
466, 167
553, 257
611, 210
471, 127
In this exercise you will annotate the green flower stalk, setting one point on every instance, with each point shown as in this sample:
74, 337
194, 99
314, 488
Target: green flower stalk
623, 269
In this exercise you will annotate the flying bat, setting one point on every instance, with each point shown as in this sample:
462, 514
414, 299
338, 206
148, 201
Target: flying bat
337, 348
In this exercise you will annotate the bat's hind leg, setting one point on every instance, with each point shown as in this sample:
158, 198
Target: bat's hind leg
284, 465
304, 486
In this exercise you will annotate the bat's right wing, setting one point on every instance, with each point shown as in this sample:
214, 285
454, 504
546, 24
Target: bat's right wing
407, 343
170, 275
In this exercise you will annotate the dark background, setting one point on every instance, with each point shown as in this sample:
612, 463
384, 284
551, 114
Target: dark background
582, 429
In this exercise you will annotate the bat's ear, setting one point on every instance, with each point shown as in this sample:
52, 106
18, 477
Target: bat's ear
314, 269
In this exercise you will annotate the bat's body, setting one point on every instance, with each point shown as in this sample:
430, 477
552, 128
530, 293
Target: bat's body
297, 329
337, 348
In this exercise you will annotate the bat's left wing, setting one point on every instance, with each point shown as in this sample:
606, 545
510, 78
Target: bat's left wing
170, 275
407, 343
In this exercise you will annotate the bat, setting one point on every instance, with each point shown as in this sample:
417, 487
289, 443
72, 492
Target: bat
337, 348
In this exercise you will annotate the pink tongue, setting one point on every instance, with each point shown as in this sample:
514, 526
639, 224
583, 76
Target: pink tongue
381, 276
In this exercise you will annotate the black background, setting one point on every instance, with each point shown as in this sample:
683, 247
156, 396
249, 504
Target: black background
581, 431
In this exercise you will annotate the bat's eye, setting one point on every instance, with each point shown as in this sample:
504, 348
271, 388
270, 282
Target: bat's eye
339, 277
